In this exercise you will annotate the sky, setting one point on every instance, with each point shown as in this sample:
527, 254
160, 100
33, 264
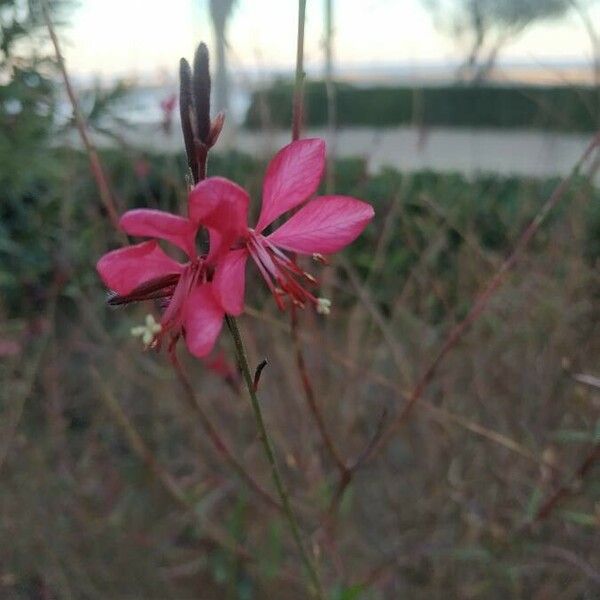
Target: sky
132, 38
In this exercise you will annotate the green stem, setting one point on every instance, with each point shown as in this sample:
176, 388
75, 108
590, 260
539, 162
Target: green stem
270, 454
298, 101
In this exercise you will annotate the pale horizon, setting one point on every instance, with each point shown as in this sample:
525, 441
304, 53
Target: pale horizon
110, 39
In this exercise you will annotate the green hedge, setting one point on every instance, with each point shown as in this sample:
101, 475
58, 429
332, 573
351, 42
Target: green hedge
560, 108
52, 226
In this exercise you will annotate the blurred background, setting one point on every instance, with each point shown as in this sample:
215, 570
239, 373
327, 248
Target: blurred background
456, 119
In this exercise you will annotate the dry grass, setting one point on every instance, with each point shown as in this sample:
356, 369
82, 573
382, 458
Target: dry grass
89, 512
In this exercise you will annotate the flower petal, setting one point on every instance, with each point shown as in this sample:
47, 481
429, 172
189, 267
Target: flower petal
221, 206
125, 269
293, 175
325, 225
230, 280
202, 320
163, 225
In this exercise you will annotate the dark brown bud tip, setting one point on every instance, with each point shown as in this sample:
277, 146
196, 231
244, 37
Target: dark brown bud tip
186, 110
201, 92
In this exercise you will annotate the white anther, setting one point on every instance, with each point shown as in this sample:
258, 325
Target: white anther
323, 306
148, 331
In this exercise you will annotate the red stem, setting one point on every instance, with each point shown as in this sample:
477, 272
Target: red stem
95, 165
216, 439
480, 304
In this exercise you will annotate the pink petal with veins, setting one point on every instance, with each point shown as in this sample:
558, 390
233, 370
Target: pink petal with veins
292, 177
202, 320
162, 225
222, 206
230, 280
125, 269
325, 225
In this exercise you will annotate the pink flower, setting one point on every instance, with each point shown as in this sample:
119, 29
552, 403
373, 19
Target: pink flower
197, 293
323, 225
144, 271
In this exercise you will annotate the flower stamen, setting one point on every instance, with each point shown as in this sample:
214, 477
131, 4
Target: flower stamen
148, 332
280, 272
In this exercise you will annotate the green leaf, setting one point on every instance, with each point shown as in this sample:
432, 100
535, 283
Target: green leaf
476, 553
353, 592
534, 503
579, 518
572, 436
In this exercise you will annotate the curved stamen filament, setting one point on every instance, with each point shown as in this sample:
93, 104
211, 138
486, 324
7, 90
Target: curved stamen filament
193, 274
280, 272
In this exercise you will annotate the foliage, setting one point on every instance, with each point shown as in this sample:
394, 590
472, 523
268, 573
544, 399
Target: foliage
26, 94
496, 208
559, 108
488, 25
438, 514
438, 511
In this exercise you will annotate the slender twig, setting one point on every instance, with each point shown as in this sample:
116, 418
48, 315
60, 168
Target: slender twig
346, 477
566, 489
104, 190
440, 415
216, 439
298, 101
590, 380
169, 484
258, 372
566, 555
331, 98
270, 455
366, 299
481, 301
311, 400
17, 401
195, 109
307, 387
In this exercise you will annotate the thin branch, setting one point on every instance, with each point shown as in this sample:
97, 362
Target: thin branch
144, 453
346, 477
104, 190
307, 387
440, 415
567, 489
17, 402
258, 372
367, 301
216, 439
566, 555
481, 301
589, 380
265, 439
298, 101
311, 400
331, 98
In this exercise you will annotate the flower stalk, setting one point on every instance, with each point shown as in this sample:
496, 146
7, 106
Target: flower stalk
104, 190
307, 387
298, 106
270, 454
